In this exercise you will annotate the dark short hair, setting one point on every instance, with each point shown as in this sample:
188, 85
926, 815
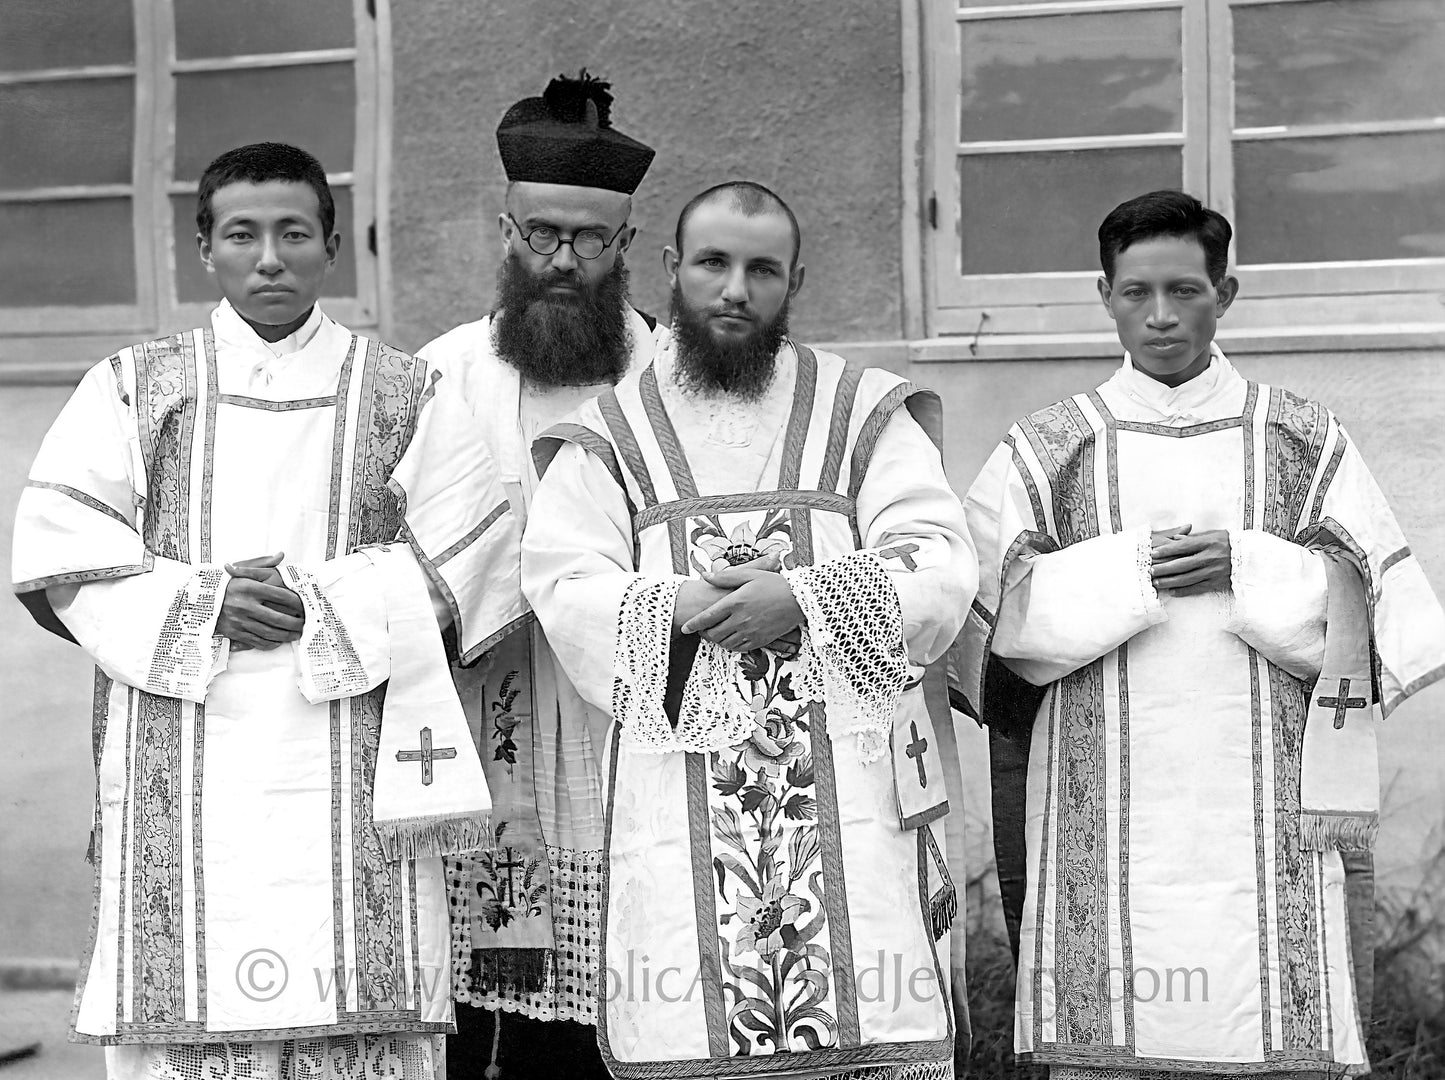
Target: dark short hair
749, 199
1166, 213
257, 164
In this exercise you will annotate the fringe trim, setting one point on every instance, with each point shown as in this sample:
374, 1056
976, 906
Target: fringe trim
1337, 831
522, 971
432, 836
942, 910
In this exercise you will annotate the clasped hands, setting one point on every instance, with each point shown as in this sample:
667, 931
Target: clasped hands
258, 610
1186, 563
741, 608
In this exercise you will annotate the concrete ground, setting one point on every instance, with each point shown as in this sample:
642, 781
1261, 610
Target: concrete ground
41, 1018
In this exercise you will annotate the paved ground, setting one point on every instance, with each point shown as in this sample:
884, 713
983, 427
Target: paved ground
30, 1017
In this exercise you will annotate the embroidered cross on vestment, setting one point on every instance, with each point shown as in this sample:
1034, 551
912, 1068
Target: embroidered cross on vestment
1340, 702
507, 881
903, 552
426, 755
916, 750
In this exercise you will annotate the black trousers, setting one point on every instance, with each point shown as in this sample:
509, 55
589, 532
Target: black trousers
526, 1050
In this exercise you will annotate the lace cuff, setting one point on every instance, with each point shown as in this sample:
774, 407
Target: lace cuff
854, 646
330, 666
1144, 559
188, 654
639, 681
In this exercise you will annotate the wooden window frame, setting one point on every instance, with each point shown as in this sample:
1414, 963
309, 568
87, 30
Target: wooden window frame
1283, 307
38, 344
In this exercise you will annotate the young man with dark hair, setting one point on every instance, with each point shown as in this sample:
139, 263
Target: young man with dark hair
1194, 605
562, 332
748, 555
259, 529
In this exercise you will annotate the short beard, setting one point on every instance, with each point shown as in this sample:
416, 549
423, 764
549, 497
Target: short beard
706, 363
562, 340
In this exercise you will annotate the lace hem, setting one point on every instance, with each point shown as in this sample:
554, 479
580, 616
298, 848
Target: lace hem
854, 647
572, 982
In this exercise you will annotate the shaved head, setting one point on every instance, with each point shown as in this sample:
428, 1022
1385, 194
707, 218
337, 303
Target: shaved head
748, 199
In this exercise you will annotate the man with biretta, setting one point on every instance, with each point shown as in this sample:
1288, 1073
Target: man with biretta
561, 331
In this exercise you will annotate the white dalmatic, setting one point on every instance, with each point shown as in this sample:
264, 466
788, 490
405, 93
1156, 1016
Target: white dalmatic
244, 886
1173, 917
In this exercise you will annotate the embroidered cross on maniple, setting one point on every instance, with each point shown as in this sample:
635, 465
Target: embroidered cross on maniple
508, 881
903, 552
426, 755
1341, 702
916, 750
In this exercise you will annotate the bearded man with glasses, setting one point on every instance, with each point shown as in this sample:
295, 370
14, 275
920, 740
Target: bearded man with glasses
525, 917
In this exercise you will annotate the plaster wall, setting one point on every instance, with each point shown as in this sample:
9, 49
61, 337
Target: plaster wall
804, 97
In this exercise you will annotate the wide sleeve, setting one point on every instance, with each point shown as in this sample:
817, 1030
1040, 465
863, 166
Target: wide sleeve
81, 566
900, 598
912, 520
579, 576
1043, 609
1407, 623
1277, 600
1063, 609
459, 525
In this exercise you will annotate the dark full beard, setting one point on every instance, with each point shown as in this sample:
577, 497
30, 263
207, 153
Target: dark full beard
743, 367
562, 340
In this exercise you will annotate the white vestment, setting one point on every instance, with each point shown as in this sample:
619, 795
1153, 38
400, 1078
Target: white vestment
768, 911
242, 895
542, 743
1172, 919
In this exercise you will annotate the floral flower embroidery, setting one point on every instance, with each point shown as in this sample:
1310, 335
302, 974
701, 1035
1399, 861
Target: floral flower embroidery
768, 920
772, 746
741, 547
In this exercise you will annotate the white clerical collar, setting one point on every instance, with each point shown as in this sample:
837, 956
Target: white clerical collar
238, 331
1182, 404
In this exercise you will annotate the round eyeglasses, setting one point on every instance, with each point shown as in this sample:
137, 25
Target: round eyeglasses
587, 244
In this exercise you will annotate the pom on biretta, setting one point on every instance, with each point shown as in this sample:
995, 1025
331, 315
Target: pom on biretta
566, 137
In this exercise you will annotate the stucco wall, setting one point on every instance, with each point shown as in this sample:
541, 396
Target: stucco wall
804, 97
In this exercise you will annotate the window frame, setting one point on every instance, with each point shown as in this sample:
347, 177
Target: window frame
67, 334
1282, 307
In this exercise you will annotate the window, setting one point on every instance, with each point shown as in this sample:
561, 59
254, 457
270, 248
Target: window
1316, 126
109, 113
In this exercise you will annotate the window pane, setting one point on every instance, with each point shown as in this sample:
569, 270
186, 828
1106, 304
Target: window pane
245, 27
1059, 75
78, 251
312, 107
193, 284
1320, 200
66, 133
37, 34
1338, 60
1029, 213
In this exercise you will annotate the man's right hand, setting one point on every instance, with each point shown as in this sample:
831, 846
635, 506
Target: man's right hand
258, 612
